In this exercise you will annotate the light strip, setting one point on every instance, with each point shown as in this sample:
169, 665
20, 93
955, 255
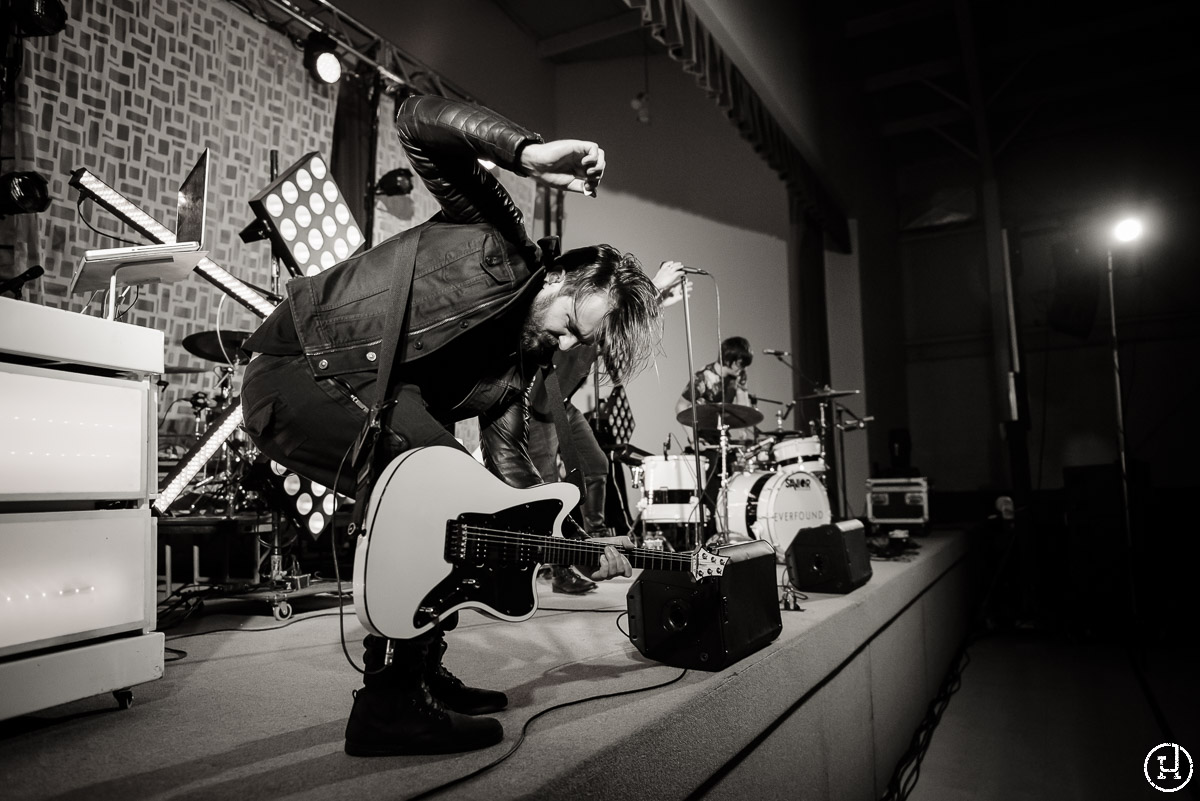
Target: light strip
195, 459
231, 418
119, 205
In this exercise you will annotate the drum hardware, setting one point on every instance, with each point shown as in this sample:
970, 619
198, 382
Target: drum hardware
722, 417
855, 423
218, 346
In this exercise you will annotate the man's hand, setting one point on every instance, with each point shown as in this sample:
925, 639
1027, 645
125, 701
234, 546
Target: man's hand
613, 562
670, 288
569, 164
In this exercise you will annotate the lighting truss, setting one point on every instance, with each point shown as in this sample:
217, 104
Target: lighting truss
297, 18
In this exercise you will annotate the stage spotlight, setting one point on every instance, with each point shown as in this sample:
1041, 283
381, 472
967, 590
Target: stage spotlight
39, 17
320, 58
23, 193
397, 182
307, 218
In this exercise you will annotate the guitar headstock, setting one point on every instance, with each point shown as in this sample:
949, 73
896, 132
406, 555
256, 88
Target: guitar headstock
706, 564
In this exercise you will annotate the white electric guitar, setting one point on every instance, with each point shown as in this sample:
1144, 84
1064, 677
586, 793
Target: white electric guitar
441, 534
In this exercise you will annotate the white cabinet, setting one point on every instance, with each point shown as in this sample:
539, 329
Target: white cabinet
78, 444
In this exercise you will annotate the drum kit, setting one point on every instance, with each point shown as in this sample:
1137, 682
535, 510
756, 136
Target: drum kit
767, 489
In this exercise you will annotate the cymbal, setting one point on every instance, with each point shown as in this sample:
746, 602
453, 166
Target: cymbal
207, 345
828, 393
708, 415
171, 369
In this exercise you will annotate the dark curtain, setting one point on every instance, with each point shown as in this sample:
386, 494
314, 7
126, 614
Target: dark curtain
688, 42
352, 157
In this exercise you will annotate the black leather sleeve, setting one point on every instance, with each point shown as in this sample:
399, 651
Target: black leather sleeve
444, 140
504, 440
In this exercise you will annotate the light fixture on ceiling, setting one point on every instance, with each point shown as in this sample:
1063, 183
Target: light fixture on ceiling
320, 58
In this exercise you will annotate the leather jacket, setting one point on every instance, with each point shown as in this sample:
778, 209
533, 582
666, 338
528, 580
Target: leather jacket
474, 257
473, 260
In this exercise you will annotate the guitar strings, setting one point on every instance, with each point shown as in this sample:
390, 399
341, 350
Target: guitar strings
492, 535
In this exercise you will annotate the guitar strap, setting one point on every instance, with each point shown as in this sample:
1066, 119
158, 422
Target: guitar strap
363, 455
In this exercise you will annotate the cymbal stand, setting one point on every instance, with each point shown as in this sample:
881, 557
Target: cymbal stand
855, 424
723, 512
825, 428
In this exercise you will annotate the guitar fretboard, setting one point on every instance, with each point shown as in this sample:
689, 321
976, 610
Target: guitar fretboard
556, 550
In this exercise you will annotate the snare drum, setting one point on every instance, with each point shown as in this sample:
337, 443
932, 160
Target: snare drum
668, 485
805, 452
774, 506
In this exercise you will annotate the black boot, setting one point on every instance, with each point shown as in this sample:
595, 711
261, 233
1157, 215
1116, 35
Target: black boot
570, 581
450, 691
394, 713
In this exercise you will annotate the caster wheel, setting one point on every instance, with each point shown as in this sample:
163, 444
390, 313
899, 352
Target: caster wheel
124, 698
283, 610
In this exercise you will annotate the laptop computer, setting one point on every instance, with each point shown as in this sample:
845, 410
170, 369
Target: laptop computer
145, 264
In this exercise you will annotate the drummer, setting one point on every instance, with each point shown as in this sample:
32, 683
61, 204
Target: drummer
722, 383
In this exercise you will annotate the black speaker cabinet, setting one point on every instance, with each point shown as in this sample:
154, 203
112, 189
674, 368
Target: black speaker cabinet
831, 558
713, 623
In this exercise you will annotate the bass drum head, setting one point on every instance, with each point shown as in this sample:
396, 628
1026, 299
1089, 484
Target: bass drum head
774, 506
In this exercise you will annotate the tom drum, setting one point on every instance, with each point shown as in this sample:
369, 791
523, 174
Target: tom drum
668, 485
803, 452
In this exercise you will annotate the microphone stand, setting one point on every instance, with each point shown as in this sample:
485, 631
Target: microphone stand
698, 534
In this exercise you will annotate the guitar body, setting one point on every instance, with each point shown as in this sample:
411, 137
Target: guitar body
413, 567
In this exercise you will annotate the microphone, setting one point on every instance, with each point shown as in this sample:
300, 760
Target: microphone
773, 352
14, 284
692, 270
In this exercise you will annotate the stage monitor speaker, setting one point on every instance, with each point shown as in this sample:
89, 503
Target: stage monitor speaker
832, 558
713, 623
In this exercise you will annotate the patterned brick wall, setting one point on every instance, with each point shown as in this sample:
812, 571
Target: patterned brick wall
134, 90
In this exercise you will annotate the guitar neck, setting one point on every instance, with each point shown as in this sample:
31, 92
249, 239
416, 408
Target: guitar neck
587, 552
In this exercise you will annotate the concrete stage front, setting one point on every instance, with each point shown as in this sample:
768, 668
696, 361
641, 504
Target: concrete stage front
825, 711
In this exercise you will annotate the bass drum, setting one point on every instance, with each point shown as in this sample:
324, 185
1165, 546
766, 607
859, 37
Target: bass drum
774, 506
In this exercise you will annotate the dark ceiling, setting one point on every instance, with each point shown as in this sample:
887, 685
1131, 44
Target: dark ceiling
952, 77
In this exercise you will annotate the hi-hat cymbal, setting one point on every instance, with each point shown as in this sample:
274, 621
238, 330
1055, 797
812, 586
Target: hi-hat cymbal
828, 393
225, 348
173, 369
708, 415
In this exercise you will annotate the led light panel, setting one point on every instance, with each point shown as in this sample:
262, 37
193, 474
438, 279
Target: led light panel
195, 459
310, 505
307, 218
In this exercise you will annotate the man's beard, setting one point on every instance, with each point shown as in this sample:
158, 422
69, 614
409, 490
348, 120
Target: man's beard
536, 343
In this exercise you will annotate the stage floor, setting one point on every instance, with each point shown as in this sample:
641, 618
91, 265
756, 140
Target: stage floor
256, 710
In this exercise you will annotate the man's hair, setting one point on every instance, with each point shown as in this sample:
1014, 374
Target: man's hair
735, 349
632, 328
